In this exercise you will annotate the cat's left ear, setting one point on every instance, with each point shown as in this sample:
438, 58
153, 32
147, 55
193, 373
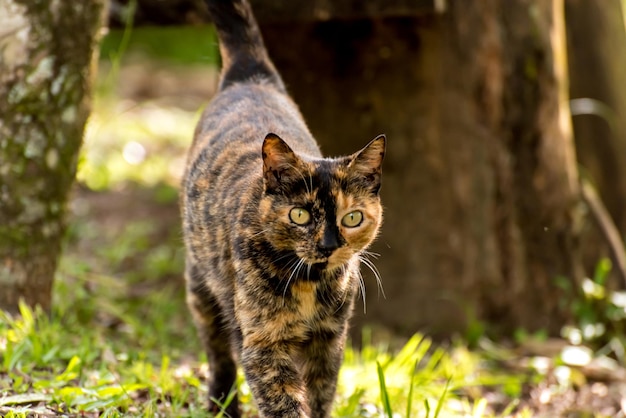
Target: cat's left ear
368, 162
279, 161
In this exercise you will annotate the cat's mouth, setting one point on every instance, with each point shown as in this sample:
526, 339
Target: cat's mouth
317, 270
320, 265
326, 263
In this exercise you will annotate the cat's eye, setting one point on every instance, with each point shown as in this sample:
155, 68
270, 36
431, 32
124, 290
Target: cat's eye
352, 219
299, 216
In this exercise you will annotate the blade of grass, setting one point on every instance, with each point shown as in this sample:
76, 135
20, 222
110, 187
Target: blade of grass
227, 401
479, 408
442, 397
409, 402
510, 407
384, 395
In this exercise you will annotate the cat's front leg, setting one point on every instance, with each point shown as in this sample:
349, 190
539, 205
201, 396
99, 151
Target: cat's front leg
323, 356
274, 380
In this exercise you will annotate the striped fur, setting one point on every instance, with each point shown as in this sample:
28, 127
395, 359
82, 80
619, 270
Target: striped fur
264, 290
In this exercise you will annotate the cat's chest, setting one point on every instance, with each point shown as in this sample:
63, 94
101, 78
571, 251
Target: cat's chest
292, 316
305, 301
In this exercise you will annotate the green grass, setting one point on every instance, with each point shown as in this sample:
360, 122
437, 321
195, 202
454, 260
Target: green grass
122, 360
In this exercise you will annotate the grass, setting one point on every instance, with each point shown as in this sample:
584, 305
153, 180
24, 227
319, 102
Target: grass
120, 359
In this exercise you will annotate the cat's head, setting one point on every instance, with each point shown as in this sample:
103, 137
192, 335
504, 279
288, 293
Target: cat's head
324, 210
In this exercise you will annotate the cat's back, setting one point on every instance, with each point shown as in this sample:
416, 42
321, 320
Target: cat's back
238, 119
225, 160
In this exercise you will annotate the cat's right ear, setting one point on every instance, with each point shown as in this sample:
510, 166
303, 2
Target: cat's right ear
278, 161
367, 163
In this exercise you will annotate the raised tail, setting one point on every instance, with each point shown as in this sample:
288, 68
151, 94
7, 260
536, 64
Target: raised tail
244, 57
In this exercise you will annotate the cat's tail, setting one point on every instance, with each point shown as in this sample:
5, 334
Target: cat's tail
244, 56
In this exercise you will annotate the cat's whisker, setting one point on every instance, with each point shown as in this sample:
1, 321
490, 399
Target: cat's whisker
260, 232
345, 292
367, 262
370, 254
362, 287
303, 179
289, 267
282, 257
301, 267
376, 273
343, 302
287, 264
294, 272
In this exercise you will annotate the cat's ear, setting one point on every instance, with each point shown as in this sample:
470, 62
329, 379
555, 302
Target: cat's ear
279, 161
367, 163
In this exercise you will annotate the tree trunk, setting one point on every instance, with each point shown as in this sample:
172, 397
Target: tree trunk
177, 12
596, 40
46, 49
480, 182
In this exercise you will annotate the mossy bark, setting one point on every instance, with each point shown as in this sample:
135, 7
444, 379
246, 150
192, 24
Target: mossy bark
480, 180
46, 51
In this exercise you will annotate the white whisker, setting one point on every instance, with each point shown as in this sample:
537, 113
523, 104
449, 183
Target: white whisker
374, 270
282, 257
303, 179
294, 272
260, 232
345, 293
362, 287
371, 254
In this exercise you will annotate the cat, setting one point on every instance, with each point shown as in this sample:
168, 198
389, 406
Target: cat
274, 234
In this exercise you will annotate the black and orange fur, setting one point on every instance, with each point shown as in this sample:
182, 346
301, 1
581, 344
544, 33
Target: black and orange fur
272, 293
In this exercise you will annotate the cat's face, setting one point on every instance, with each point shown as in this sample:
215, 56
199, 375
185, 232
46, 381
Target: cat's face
326, 210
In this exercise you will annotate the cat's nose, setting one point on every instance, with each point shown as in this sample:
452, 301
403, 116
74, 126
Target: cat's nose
328, 244
326, 251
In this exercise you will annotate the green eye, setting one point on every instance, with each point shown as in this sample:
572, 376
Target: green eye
352, 219
299, 216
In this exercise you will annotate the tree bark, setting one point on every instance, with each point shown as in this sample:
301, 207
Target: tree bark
480, 181
177, 12
596, 40
46, 51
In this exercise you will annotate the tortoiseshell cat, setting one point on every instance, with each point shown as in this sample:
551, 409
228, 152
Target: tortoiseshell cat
274, 234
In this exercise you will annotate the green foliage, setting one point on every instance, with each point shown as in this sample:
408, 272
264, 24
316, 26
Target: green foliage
598, 310
104, 360
378, 381
384, 395
138, 143
63, 365
187, 45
